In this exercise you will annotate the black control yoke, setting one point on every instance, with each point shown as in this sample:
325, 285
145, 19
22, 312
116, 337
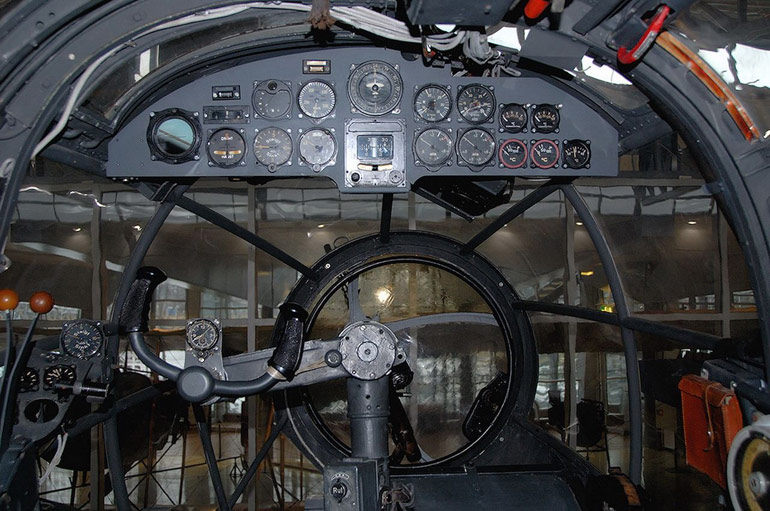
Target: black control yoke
196, 384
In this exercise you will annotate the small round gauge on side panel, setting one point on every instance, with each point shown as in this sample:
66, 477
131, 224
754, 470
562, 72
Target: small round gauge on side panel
316, 99
475, 148
272, 148
272, 99
432, 103
226, 148
202, 334
513, 118
29, 381
545, 118
512, 154
544, 154
317, 148
375, 88
476, 103
60, 373
433, 148
174, 136
577, 154
82, 338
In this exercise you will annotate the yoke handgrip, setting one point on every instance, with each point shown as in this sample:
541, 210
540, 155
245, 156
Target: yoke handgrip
288, 336
135, 313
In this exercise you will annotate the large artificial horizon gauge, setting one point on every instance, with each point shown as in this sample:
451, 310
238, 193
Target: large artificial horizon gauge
317, 148
82, 339
272, 147
316, 99
432, 103
476, 103
226, 148
432, 148
375, 88
476, 147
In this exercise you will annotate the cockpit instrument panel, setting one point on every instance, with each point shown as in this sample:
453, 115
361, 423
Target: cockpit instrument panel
369, 125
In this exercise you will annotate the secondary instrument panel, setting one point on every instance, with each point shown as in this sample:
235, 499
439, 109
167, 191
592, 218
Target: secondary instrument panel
370, 125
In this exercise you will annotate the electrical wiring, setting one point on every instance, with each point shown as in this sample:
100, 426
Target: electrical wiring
359, 17
61, 442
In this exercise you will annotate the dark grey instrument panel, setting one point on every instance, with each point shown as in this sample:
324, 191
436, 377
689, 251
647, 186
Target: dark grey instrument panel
371, 125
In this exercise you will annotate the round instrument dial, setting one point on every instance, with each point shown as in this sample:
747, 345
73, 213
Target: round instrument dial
433, 147
29, 381
82, 339
476, 103
317, 99
59, 374
577, 154
476, 147
432, 103
513, 153
375, 88
272, 99
317, 147
544, 154
545, 118
202, 334
226, 148
272, 147
513, 118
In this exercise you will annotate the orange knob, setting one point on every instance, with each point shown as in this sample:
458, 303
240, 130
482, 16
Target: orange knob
41, 302
535, 8
8, 299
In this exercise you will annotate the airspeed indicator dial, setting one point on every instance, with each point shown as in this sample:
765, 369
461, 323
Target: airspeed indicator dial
432, 103
476, 103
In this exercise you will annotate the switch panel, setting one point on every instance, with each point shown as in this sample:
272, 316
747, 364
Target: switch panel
351, 485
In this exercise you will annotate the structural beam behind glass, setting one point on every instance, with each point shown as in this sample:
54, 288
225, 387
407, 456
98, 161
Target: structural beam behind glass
225, 223
514, 211
387, 215
629, 342
686, 337
111, 441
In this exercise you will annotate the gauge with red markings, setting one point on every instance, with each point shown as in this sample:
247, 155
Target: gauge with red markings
512, 153
544, 154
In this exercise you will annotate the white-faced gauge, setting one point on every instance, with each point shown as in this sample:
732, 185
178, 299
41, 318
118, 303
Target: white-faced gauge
317, 99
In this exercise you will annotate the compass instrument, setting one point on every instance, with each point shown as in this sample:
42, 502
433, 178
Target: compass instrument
375, 88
